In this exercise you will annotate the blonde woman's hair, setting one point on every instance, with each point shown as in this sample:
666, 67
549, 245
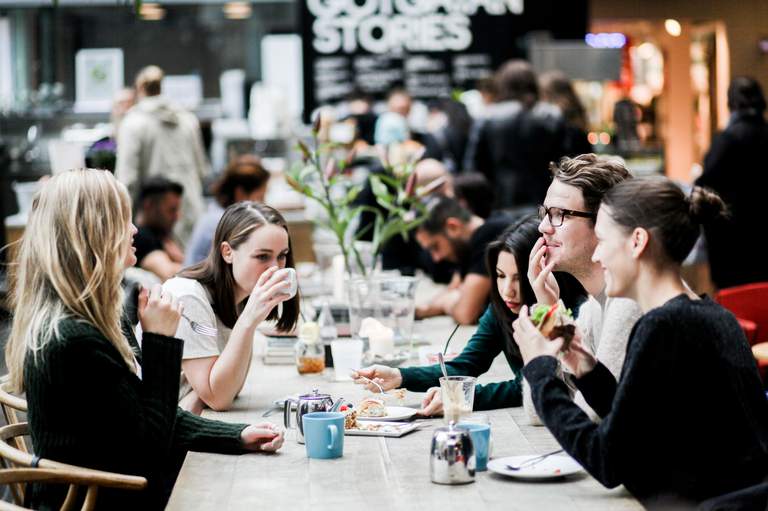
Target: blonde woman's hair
70, 265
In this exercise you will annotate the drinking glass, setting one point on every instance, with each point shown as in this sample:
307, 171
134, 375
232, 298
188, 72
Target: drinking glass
347, 357
458, 393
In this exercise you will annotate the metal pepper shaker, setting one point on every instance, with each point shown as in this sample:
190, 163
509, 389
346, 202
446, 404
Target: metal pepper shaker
452, 459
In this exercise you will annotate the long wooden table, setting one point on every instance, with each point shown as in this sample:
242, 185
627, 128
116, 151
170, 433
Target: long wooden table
375, 472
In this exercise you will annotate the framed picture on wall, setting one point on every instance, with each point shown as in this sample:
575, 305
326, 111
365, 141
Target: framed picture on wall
98, 77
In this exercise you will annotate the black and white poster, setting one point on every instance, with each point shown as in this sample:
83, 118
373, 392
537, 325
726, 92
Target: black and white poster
429, 47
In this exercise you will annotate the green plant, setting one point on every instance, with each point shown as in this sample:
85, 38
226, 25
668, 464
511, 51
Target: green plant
323, 178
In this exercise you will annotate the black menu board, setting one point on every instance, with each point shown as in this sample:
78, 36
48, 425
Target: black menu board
429, 47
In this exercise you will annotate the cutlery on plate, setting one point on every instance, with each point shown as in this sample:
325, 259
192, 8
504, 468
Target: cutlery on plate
533, 461
381, 389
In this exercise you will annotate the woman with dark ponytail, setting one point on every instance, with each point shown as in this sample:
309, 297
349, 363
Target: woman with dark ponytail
688, 418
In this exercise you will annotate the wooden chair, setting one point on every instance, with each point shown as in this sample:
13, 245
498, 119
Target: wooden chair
26, 468
12, 406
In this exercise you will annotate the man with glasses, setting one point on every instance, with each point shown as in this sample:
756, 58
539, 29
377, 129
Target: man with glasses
567, 243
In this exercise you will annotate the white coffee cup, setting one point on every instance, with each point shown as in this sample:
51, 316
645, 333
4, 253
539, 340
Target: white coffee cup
289, 274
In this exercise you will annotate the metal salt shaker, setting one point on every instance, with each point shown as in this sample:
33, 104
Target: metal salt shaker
452, 459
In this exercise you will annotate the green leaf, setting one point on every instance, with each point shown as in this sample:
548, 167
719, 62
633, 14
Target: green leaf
377, 186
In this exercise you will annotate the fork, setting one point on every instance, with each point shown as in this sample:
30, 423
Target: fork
533, 461
381, 389
206, 330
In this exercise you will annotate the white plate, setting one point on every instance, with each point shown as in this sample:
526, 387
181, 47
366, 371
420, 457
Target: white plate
390, 429
548, 468
394, 413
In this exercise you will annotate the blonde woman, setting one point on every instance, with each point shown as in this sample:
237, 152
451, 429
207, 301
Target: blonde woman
95, 398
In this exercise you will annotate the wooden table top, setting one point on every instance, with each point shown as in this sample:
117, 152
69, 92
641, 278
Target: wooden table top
375, 472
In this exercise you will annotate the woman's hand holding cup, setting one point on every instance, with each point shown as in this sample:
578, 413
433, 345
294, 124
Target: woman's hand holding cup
272, 288
159, 311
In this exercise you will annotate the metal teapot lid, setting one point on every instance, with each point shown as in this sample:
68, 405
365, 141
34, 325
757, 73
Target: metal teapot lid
314, 395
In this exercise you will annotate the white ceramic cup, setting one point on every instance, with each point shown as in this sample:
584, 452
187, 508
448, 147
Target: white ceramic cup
347, 357
289, 274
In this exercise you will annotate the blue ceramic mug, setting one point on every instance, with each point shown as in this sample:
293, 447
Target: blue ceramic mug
481, 437
324, 434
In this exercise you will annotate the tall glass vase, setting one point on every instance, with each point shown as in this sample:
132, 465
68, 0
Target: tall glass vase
389, 300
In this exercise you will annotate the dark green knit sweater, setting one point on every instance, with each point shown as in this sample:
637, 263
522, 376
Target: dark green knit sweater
488, 341
87, 408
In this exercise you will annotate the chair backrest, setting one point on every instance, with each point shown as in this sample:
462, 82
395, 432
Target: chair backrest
50, 471
13, 406
749, 302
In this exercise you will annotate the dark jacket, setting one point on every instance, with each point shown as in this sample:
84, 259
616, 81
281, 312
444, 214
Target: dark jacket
687, 420
736, 168
513, 147
87, 408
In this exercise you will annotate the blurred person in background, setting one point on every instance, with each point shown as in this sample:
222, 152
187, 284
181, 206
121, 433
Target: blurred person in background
449, 123
244, 179
452, 233
158, 137
735, 168
517, 138
557, 89
392, 125
102, 154
474, 192
157, 211
360, 107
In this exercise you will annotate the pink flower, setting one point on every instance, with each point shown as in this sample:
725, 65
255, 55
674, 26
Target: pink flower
410, 185
330, 168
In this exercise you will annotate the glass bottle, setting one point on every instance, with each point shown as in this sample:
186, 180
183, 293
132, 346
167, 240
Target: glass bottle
328, 331
310, 353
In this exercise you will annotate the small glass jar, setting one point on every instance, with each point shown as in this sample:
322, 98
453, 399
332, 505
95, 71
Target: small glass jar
310, 352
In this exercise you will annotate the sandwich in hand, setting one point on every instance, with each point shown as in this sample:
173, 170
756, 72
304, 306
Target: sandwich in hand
554, 321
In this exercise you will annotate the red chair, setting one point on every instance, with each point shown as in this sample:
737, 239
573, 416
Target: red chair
749, 303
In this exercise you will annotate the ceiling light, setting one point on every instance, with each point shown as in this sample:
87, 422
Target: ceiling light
151, 12
237, 10
673, 27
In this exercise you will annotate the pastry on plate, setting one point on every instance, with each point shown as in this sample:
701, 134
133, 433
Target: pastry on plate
350, 420
371, 407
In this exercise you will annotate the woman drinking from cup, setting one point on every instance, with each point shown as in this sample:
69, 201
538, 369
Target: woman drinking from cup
248, 273
95, 398
507, 259
687, 419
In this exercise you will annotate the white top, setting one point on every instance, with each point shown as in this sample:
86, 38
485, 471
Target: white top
197, 307
605, 324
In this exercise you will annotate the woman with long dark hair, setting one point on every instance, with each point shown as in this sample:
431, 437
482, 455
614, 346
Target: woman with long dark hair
233, 290
507, 261
687, 419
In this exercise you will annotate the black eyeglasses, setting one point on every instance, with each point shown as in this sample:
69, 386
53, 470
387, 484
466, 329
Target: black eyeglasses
556, 215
